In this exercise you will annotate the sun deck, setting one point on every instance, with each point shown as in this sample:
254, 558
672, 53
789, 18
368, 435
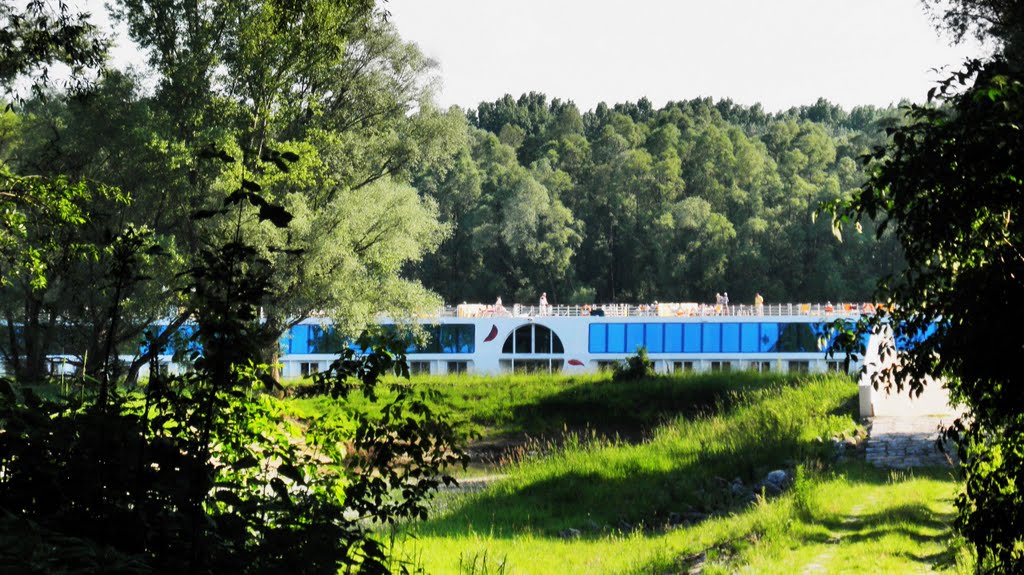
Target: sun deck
688, 309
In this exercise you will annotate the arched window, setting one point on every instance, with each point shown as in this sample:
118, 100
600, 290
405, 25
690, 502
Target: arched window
531, 339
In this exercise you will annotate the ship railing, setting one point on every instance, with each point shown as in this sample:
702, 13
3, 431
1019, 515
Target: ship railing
687, 309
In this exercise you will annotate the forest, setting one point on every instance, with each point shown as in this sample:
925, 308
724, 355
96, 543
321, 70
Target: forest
632, 203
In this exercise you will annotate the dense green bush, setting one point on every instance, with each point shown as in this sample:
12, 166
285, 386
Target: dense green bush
634, 367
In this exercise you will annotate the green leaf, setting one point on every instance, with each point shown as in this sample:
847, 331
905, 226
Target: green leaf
280, 489
292, 472
237, 196
246, 462
281, 165
205, 214
229, 497
277, 215
7, 389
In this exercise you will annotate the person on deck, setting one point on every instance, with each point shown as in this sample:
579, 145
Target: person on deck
543, 303
758, 304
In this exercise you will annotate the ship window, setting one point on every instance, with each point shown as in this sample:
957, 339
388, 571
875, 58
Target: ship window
749, 335
721, 366
673, 338
769, 337
324, 340
419, 368
691, 338
531, 339
799, 366
458, 367
542, 339
712, 338
730, 337
531, 365
598, 338
308, 368
654, 337
682, 366
634, 337
797, 337
616, 338
524, 339
458, 338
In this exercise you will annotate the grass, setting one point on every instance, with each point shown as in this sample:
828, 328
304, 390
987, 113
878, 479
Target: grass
597, 505
686, 466
612, 467
543, 405
852, 519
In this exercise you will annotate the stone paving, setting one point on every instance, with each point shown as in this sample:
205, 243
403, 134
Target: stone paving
902, 442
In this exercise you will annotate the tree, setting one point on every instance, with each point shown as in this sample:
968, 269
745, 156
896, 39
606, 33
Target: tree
950, 186
38, 35
987, 20
198, 473
40, 214
624, 172
93, 137
329, 85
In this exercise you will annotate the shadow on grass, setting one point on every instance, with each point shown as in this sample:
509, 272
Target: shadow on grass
688, 472
640, 405
917, 523
596, 504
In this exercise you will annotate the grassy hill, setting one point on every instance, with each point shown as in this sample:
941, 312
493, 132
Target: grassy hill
667, 475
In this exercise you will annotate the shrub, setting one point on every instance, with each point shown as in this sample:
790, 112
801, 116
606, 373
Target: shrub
634, 367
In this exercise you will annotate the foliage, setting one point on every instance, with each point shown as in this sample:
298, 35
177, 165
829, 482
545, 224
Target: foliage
201, 473
987, 20
634, 367
196, 476
327, 83
634, 203
950, 187
36, 35
49, 233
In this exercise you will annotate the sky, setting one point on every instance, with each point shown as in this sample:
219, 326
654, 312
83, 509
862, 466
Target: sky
780, 53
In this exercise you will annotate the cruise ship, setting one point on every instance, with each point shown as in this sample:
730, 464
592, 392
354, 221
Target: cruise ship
494, 339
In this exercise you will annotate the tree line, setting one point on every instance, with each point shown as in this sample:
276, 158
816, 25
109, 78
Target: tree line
632, 203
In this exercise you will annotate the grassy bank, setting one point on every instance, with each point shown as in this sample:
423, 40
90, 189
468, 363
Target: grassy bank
542, 405
593, 505
852, 519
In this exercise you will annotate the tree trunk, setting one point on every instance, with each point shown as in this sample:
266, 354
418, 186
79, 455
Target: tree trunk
132, 376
